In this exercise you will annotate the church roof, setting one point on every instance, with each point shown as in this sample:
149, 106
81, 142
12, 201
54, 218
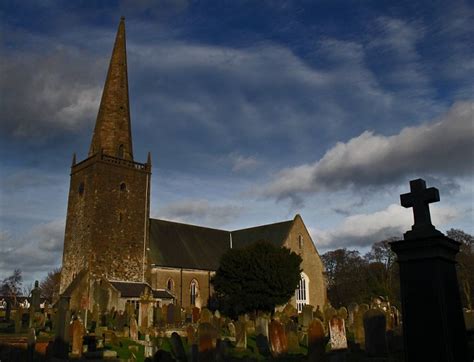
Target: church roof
136, 289
179, 245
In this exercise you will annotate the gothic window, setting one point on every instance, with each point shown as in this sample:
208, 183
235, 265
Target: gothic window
123, 186
300, 241
81, 188
302, 292
120, 152
193, 291
170, 284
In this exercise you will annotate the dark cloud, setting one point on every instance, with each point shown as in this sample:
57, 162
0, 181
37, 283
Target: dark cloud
443, 147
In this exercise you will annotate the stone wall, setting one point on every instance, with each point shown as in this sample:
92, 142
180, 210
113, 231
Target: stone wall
107, 220
181, 290
312, 265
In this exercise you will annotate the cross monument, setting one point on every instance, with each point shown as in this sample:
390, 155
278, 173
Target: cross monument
419, 199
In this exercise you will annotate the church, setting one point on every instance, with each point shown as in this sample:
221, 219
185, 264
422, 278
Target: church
115, 254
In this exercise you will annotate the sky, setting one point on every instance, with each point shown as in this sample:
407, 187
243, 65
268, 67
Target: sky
253, 111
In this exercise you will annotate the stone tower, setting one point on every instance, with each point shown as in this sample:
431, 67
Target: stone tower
109, 195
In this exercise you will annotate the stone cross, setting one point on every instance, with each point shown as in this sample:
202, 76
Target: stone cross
419, 199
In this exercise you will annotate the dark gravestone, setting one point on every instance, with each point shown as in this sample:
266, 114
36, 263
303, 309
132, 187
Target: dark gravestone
170, 314
36, 297
433, 325
207, 338
177, 347
374, 328
63, 316
316, 341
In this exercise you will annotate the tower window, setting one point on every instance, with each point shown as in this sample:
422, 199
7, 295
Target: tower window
81, 188
120, 152
123, 186
300, 241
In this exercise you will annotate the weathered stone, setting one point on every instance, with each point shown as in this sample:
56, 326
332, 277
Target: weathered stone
240, 334
133, 329
307, 314
191, 335
77, 337
196, 314
337, 333
359, 333
278, 340
231, 328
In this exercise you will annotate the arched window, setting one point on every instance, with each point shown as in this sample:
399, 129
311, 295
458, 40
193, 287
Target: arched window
302, 292
120, 152
123, 186
170, 284
193, 291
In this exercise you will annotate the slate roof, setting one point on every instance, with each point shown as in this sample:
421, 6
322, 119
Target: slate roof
135, 290
179, 245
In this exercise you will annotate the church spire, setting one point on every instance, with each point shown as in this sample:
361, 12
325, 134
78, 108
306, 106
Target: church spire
112, 132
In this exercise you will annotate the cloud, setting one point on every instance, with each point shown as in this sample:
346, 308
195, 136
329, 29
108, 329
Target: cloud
50, 92
242, 163
50, 236
35, 253
363, 230
443, 147
200, 212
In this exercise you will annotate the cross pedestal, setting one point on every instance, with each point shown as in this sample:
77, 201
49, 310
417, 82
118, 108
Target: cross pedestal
433, 323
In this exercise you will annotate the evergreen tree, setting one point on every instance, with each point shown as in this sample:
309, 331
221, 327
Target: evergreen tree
256, 278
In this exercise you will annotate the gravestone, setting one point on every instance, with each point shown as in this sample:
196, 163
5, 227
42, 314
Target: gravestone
293, 342
18, 319
177, 348
207, 341
316, 340
157, 315
146, 310
240, 334
353, 307
191, 335
261, 326
170, 314
231, 328
206, 316
342, 313
77, 337
133, 329
374, 328
61, 326
329, 312
291, 326
31, 344
433, 329
290, 311
337, 333
36, 298
178, 317
148, 347
278, 339
359, 334
307, 313
469, 319
196, 314
318, 314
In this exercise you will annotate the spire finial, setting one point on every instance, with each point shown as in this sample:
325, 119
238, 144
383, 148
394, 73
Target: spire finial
112, 132
73, 159
148, 159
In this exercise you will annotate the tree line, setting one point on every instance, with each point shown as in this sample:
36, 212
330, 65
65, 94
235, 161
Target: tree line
352, 277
